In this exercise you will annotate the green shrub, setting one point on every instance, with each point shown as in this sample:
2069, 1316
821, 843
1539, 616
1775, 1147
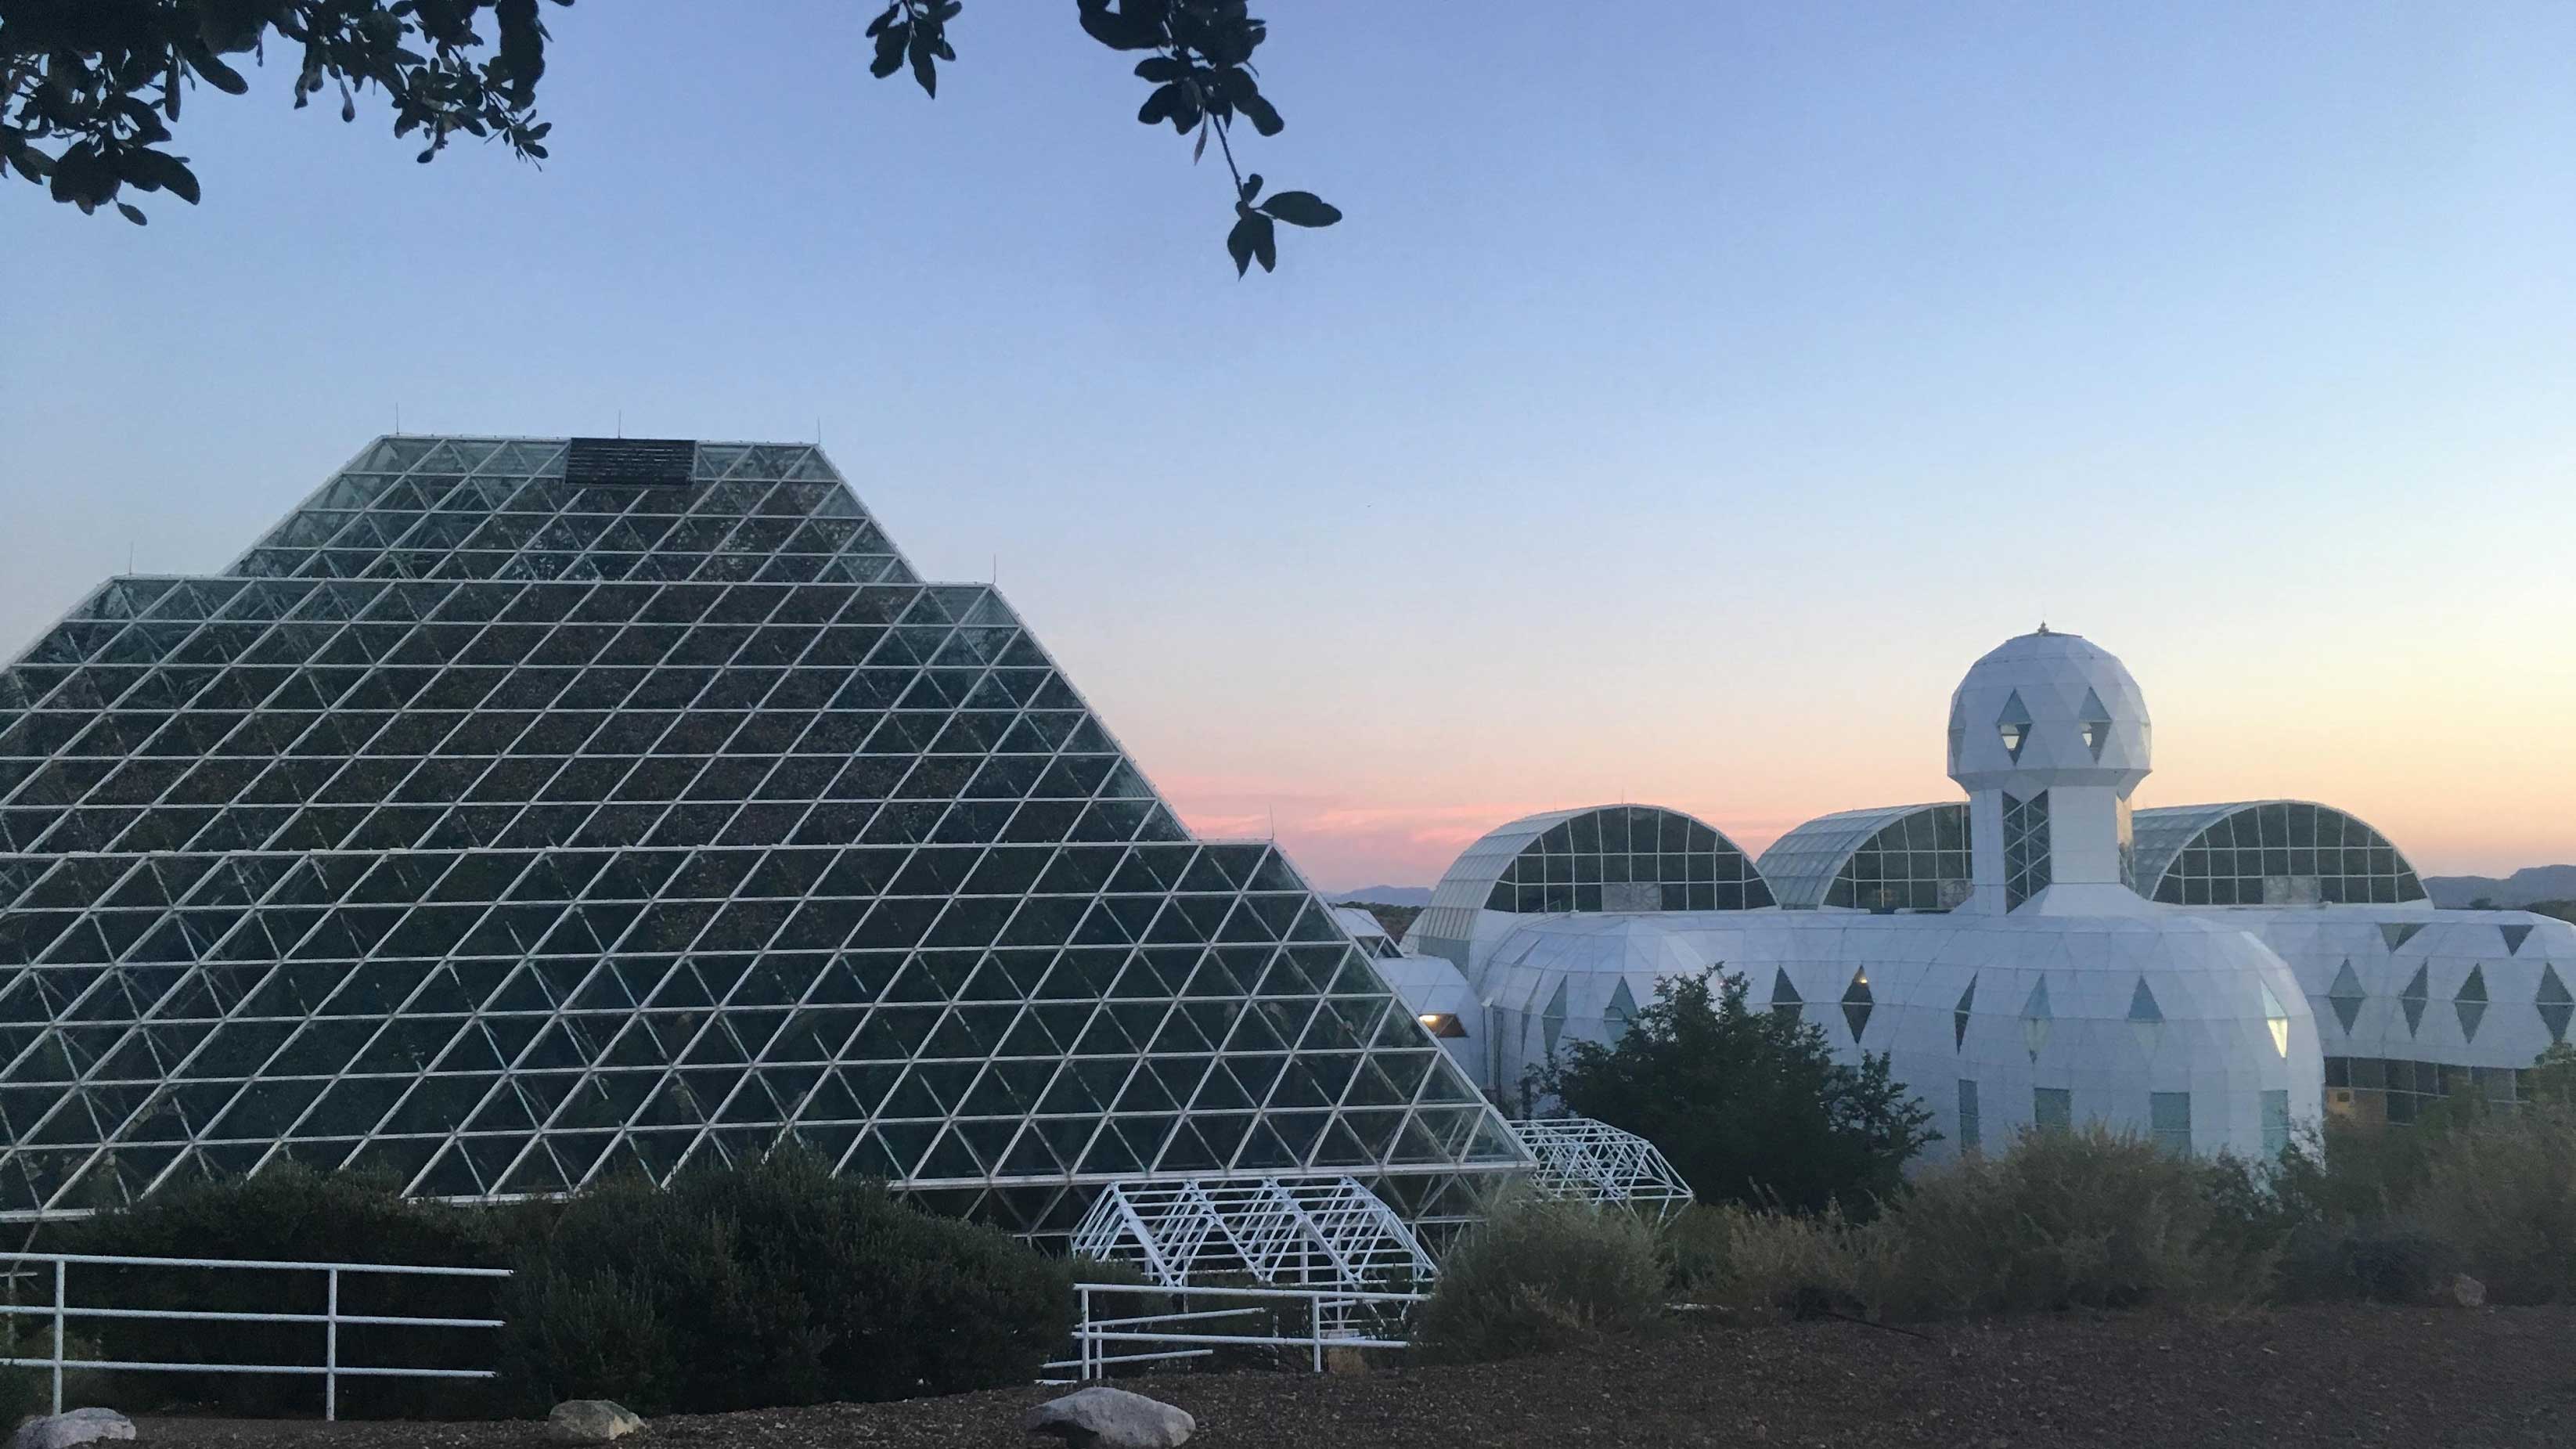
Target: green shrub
1539, 1276
2070, 1219
1749, 1104
775, 1285
1762, 1264
290, 1213
2499, 1193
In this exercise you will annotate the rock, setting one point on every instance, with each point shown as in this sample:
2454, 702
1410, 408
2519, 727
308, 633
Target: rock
80, 1426
2468, 1292
590, 1421
1111, 1419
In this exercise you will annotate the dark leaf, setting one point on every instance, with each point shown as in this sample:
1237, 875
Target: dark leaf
1162, 68
1302, 208
890, 48
131, 213
1252, 186
1238, 245
1167, 103
1265, 241
1264, 116
878, 26
219, 75
158, 171
924, 68
1119, 30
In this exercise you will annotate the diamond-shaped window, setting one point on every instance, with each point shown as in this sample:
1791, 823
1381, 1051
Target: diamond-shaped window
2346, 996
1857, 1003
2095, 722
2555, 1003
2412, 1000
2014, 726
2471, 1003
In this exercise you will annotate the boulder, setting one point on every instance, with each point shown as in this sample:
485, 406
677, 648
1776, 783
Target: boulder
1111, 1419
2468, 1292
590, 1421
80, 1426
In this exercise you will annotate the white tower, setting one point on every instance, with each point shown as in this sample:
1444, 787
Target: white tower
2049, 735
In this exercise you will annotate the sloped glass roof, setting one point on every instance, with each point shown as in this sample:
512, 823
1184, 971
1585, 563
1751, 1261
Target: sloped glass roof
498, 833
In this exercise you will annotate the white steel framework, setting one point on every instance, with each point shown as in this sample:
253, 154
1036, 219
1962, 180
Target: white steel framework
1326, 1232
1582, 1160
502, 821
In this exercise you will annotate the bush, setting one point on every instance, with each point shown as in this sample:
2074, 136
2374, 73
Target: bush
2088, 1219
1765, 1264
2499, 1193
775, 1285
1747, 1103
1539, 1276
291, 1213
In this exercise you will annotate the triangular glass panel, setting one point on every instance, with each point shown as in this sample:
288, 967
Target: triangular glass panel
522, 836
2146, 1019
2094, 720
2514, 936
2276, 1020
1784, 994
1857, 1003
1959, 1016
2397, 934
2554, 1002
2418, 992
2013, 726
2346, 996
2471, 1002
2036, 1018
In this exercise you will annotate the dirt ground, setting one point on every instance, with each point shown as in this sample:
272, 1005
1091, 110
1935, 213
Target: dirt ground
2411, 1377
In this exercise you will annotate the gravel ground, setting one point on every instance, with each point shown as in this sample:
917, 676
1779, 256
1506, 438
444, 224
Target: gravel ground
2411, 1377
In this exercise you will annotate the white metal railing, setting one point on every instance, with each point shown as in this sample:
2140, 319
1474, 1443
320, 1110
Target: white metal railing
1335, 1318
330, 1370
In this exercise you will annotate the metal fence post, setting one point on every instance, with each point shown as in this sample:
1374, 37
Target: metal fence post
60, 1268
1082, 1332
331, 1352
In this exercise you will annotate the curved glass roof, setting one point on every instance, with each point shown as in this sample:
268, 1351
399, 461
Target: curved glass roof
2268, 853
1891, 858
1615, 858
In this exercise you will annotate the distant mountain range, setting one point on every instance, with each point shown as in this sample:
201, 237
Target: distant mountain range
1386, 895
2512, 893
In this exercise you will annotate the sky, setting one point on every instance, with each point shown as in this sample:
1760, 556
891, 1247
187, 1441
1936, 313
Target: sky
1693, 391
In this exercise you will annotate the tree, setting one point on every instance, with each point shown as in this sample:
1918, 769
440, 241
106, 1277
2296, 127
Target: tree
1747, 1103
90, 89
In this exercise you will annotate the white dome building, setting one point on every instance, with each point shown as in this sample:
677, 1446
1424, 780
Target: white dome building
2053, 994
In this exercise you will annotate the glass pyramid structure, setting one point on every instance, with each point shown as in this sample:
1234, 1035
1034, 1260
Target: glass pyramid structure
498, 831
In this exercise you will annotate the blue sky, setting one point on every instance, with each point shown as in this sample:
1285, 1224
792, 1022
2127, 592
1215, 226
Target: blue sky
1694, 390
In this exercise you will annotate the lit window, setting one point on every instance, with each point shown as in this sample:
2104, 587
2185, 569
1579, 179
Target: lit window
2096, 724
2014, 725
1442, 1024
